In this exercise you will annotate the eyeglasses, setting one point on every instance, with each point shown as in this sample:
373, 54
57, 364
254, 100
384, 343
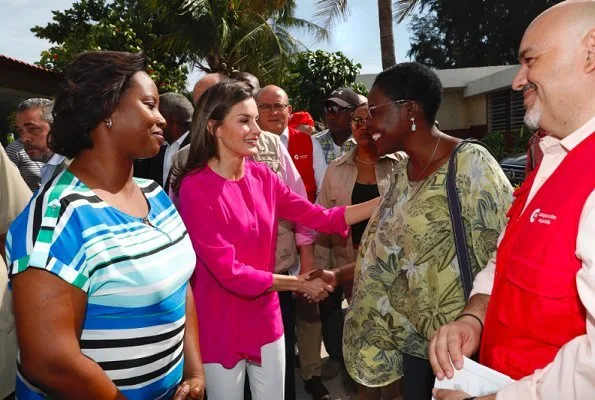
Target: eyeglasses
277, 107
359, 122
336, 109
371, 110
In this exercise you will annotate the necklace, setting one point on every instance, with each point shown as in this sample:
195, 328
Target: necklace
431, 159
365, 162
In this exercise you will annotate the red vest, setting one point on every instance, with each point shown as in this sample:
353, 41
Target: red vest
300, 150
535, 308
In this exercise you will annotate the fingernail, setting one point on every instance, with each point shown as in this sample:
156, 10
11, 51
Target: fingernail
458, 365
440, 376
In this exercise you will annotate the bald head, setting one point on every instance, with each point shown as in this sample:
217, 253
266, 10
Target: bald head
557, 74
273, 109
571, 19
272, 90
204, 83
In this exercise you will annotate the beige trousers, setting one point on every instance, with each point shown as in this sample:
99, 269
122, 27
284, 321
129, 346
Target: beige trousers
309, 338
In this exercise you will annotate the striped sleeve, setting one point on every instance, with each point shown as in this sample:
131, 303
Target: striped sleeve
47, 236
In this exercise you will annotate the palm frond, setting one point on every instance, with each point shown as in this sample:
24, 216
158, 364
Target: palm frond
250, 36
328, 12
320, 34
290, 43
404, 8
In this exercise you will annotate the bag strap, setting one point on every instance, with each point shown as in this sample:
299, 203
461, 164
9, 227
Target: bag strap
456, 219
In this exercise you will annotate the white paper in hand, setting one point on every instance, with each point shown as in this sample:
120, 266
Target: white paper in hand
475, 379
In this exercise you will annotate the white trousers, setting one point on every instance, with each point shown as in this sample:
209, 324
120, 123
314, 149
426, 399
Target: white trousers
267, 381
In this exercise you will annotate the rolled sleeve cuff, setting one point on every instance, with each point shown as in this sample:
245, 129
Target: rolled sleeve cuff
259, 282
520, 390
304, 235
484, 281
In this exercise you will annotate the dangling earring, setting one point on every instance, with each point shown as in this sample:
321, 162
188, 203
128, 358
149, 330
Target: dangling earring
413, 126
108, 123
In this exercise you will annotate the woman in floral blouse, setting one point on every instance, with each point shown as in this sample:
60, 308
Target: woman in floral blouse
407, 277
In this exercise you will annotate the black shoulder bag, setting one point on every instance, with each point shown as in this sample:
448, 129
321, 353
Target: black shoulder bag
456, 219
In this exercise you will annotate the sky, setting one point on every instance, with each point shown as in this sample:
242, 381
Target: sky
358, 37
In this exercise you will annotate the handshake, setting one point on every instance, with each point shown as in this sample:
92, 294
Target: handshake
316, 285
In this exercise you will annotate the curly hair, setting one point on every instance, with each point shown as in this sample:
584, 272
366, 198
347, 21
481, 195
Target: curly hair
89, 93
215, 103
412, 81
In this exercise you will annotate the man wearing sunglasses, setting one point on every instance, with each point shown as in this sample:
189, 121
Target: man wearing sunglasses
336, 139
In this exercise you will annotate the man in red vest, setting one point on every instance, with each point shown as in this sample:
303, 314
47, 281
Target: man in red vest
535, 303
274, 112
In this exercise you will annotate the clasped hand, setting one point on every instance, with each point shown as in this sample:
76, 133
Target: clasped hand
317, 285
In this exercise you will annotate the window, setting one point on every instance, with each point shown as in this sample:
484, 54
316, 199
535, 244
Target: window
505, 111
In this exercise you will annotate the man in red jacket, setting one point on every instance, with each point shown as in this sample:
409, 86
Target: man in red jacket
274, 112
535, 302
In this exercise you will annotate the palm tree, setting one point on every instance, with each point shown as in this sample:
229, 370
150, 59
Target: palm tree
229, 35
329, 11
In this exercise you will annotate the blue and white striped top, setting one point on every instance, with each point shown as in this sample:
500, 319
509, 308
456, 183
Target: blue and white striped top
134, 271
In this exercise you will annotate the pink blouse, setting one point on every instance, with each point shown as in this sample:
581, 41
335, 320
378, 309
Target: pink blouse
233, 228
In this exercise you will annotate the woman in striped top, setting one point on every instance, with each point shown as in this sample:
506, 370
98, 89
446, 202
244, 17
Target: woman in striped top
100, 261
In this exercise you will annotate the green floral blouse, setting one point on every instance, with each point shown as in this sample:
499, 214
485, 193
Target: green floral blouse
407, 282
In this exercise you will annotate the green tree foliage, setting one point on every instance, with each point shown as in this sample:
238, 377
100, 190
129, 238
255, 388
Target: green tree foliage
313, 75
122, 25
505, 145
234, 35
471, 33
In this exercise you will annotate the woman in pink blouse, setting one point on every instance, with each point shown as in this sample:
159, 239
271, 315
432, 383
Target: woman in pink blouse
230, 206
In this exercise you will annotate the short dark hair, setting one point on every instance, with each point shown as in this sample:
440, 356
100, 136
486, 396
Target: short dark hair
214, 104
175, 106
38, 103
412, 81
90, 91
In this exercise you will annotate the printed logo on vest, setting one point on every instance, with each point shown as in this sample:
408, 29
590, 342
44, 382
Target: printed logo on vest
542, 218
300, 156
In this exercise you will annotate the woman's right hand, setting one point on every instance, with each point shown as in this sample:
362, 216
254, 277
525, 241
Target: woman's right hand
315, 289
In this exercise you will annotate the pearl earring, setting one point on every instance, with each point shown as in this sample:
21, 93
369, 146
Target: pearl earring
108, 123
413, 126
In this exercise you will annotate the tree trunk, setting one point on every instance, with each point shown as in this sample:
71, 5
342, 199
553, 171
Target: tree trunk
387, 40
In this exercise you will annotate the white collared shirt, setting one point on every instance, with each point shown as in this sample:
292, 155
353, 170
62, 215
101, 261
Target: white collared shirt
170, 151
285, 137
47, 171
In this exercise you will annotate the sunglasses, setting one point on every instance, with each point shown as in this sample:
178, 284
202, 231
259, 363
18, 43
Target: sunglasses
372, 110
277, 107
359, 122
336, 109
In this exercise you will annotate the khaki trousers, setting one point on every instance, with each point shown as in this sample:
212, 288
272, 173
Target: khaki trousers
309, 338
